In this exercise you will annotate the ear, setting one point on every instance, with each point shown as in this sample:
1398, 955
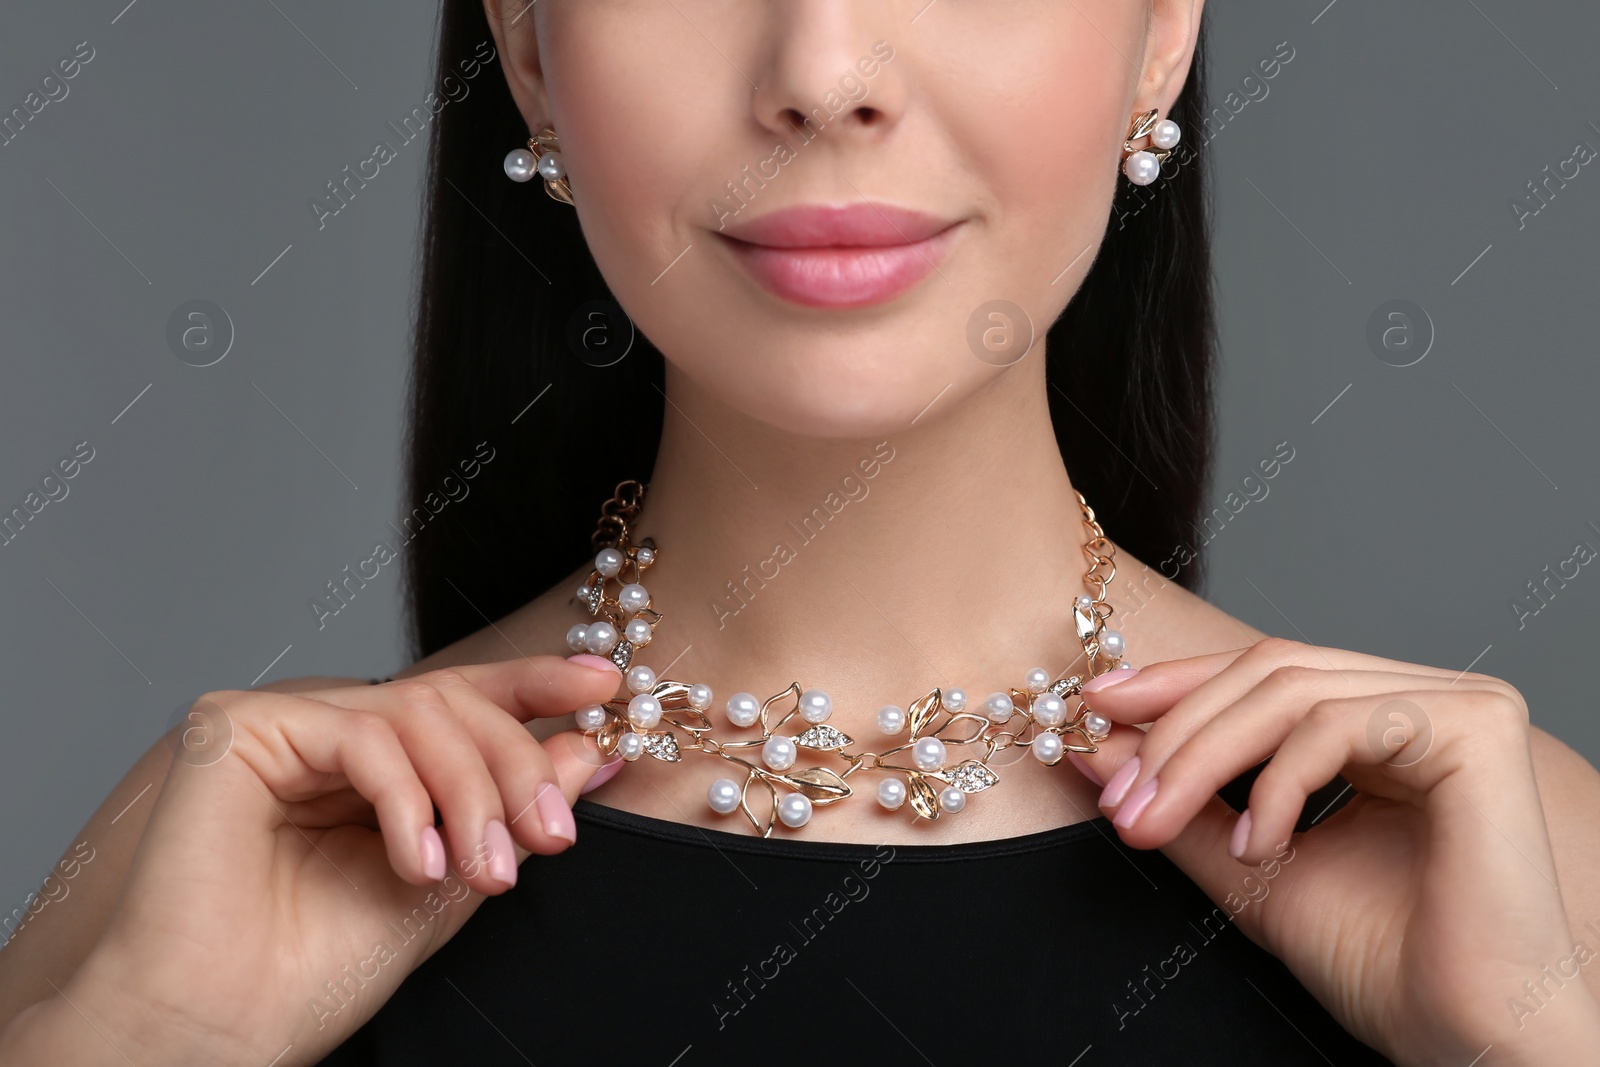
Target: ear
517, 42
1169, 50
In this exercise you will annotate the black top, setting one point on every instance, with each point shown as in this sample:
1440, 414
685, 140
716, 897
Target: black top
660, 943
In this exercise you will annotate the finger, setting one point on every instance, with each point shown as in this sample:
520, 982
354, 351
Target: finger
1154, 690
456, 775
297, 748
1189, 754
527, 688
1335, 735
540, 819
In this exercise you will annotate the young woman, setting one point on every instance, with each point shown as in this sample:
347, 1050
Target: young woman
895, 282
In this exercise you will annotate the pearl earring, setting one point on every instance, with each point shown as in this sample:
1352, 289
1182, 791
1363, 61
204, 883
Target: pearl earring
1143, 166
541, 157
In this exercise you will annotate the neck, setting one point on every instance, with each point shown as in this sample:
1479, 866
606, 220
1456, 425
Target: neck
946, 554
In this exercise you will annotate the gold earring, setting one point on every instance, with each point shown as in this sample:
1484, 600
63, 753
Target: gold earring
541, 157
1143, 166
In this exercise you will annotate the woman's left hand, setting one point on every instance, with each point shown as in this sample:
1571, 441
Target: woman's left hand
1417, 912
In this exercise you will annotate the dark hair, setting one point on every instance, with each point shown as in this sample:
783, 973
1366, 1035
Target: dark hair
506, 271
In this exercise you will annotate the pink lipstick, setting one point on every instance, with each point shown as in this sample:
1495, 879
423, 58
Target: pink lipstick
839, 257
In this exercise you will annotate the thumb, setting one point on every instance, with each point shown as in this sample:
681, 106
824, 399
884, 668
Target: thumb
578, 763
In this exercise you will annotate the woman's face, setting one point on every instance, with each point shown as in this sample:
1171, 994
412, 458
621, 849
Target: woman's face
812, 207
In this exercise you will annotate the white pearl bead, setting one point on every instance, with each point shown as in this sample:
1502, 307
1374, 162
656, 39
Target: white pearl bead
998, 707
630, 746
645, 556
794, 810
633, 597
1084, 603
519, 164
590, 716
1049, 710
1142, 168
779, 752
1097, 725
699, 696
891, 793
608, 562
1124, 665
1166, 134
723, 796
644, 711
583, 593
891, 719
637, 632
743, 709
952, 799
1038, 680
815, 706
928, 754
601, 638
640, 678
577, 637
1047, 748
551, 169
1112, 644
955, 699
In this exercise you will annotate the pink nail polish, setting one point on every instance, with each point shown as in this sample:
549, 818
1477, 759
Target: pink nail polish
603, 775
1108, 679
502, 853
1084, 768
1135, 804
554, 813
1241, 835
599, 663
1117, 788
432, 853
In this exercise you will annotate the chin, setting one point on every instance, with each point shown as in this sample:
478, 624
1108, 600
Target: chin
839, 390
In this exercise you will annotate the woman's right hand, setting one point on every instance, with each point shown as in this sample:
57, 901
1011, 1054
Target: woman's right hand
291, 875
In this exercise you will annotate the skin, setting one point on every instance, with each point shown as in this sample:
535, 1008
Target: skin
229, 890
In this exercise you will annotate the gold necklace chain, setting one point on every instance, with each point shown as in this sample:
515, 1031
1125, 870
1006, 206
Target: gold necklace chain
665, 718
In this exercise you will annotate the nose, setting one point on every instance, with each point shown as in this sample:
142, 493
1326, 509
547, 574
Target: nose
824, 71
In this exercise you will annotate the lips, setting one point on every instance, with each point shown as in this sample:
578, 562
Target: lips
838, 257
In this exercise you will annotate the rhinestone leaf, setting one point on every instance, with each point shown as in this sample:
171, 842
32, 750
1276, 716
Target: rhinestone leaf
824, 738
1062, 687
597, 592
663, 746
622, 653
971, 777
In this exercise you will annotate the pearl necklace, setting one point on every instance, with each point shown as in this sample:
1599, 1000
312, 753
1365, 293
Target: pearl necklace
666, 718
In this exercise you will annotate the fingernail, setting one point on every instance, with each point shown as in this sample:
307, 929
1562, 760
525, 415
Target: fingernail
1084, 768
555, 814
599, 663
603, 775
1241, 835
432, 853
1108, 679
1135, 804
1117, 788
502, 853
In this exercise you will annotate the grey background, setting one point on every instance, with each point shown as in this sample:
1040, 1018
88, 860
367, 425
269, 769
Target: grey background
1378, 166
